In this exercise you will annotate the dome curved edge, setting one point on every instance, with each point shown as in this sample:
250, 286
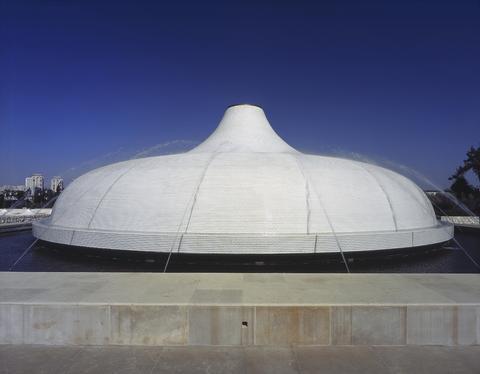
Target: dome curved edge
243, 244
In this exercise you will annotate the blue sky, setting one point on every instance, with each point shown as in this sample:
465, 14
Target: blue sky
389, 80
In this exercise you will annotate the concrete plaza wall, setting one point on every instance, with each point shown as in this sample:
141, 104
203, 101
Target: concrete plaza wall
170, 325
223, 316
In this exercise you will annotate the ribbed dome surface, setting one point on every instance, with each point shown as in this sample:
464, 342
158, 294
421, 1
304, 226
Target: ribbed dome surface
242, 190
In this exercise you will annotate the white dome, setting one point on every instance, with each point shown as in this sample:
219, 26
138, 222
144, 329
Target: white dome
243, 190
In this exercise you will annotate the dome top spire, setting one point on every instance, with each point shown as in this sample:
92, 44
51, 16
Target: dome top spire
244, 128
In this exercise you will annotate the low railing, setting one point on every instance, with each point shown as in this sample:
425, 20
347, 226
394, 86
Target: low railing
461, 220
20, 216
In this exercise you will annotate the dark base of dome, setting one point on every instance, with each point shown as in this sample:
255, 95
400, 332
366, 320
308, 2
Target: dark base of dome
187, 262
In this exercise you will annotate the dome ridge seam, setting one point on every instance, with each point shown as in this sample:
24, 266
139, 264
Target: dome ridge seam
387, 196
109, 189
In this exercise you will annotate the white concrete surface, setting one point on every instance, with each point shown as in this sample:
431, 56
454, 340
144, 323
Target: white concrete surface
239, 309
27, 359
243, 190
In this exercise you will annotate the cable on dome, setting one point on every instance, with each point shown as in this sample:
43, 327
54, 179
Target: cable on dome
477, 265
307, 183
35, 241
194, 197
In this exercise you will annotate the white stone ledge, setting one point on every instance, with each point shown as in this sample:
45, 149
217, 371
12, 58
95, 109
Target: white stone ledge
239, 309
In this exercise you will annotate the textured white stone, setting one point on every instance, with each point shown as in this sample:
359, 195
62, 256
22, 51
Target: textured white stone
378, 325
148, 325
432, 325
11, 324
66, 324
243, 190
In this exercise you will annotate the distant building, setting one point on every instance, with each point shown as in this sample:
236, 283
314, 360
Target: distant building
33, 182
56, 184
28, 184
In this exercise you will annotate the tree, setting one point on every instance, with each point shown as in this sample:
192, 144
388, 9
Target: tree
471, 163
461, 188
466, 192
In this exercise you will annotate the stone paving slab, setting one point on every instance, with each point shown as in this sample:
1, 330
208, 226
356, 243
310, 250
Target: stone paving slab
28, 359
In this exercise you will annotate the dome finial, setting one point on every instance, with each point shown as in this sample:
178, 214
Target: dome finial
244, 104
244, 128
